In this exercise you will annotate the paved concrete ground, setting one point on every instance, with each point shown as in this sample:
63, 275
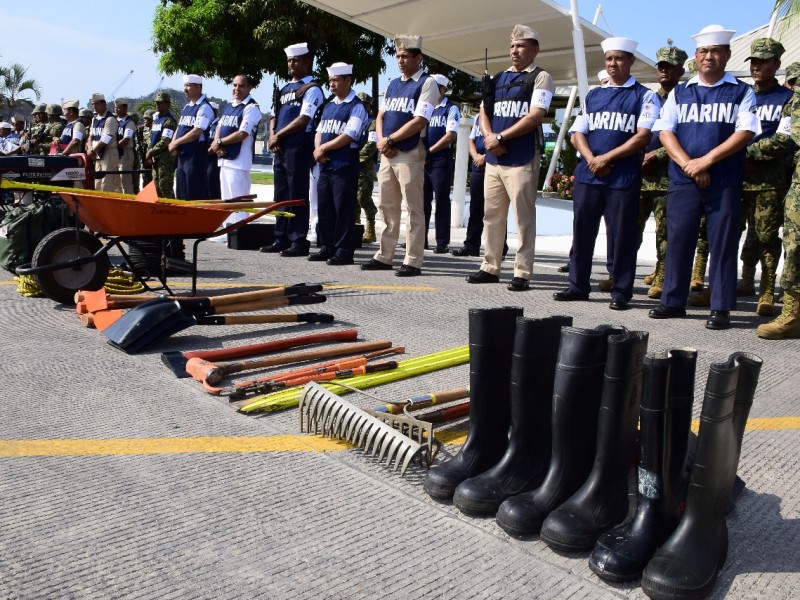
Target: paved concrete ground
206, 502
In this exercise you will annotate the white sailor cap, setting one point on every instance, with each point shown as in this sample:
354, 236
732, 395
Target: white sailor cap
98, 97
296, 50
193, 79
71, 104
214, 105
713, 35
340, 68
408, 42
441, 80
601, 75
619, 43
5, 125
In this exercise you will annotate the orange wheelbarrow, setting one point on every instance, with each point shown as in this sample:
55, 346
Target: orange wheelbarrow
72, 258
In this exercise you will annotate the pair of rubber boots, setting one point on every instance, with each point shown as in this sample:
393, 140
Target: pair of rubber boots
512, 362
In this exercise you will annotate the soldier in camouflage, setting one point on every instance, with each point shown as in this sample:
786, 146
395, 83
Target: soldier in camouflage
38, 130
162, 133
55, 126
669, 65
765, 184
787, 325
791, 72
143, 145
366, 176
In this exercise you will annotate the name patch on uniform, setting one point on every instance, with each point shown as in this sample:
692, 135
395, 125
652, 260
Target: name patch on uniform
613, 121
289, 98
406, 105
229, 121
770, 112
511, 108
331, 126
719, 112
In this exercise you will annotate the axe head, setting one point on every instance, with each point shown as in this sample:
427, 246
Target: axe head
176, 362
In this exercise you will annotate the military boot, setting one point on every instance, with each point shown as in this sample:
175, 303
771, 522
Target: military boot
606, 284
657, 282
766, 295
699, 272
787, 325
746, 285
701, 298
369, 231
648, 279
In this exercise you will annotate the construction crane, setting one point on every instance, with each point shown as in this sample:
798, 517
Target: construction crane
121, 83
158, 85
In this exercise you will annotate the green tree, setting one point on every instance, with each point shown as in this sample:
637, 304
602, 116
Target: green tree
14, 85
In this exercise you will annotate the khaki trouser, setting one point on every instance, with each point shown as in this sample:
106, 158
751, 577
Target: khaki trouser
517, 186
109, 183
402, 178
126, 164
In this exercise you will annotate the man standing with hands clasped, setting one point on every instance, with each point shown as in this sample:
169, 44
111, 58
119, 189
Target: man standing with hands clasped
511, 122
705, 126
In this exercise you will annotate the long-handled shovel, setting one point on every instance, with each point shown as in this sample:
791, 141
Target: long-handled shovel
153, 321
176, 361
212, 373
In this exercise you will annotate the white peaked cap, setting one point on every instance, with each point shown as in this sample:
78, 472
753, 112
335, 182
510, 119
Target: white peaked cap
296, 50
193, 79
441, 80
713, 35
340, 68
618, 43
602, 75
214, 105
6, 125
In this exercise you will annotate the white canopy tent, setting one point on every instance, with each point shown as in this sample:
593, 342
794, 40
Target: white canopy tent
460, 33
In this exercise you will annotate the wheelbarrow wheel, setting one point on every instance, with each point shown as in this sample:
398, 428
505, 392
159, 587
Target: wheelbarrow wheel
65, 245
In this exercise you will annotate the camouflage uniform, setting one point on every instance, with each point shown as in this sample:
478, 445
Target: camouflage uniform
53, 129
38, 132
366, 176
143, 145
164, 163
787, 325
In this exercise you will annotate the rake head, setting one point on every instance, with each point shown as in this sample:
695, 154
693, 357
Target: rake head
396, 438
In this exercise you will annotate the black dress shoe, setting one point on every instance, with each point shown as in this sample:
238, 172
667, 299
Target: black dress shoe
667, 312
465, 251
293, 251
619, 304
720, 319
519, 284
483, 277
375, 265
441, 250
408, 271
320, 256
337, 260
275, 247
564, 268
569, 295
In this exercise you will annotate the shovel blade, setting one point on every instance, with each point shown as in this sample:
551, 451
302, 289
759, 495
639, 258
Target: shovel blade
147, 324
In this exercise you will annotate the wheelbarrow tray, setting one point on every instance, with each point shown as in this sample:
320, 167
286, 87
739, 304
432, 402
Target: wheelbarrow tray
127, 217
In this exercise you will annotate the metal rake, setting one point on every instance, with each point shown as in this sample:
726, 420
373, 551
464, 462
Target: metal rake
396, 438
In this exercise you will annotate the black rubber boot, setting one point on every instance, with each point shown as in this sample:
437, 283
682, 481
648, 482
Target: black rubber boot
688, 564
602, 501
524, 465
576, 402
667, 394
491, 342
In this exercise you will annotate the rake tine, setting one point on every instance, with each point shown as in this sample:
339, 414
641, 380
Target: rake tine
380, 440
337, 418
407, 449
387, 450
409, 457
349, 423
357, 426
374, 440
395, 448
365, 433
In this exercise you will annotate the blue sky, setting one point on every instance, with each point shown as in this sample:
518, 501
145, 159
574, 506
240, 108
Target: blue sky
71, 62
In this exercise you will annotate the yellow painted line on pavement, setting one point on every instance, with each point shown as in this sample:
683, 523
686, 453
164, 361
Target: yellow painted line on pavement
234, 444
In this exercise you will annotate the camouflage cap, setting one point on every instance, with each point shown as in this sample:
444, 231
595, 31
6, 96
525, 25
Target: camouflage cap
148, 114
671, 55
85, 112
364, 97
39, 108
54, 109
792, 71
765, 48
691, 67
162, 97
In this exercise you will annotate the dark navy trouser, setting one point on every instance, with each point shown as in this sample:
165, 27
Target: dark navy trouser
438, 179
191, 178
337, 192
292, 171
687, 203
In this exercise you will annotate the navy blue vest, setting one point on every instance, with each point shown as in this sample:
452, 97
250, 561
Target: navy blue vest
229, 123
66, 135
121, 133
158, 125
289, 110
186, 124
512, 103
14, 137
399, 105
612, 113
97, 131
437, 127
334, 120
768, 108
706, 118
